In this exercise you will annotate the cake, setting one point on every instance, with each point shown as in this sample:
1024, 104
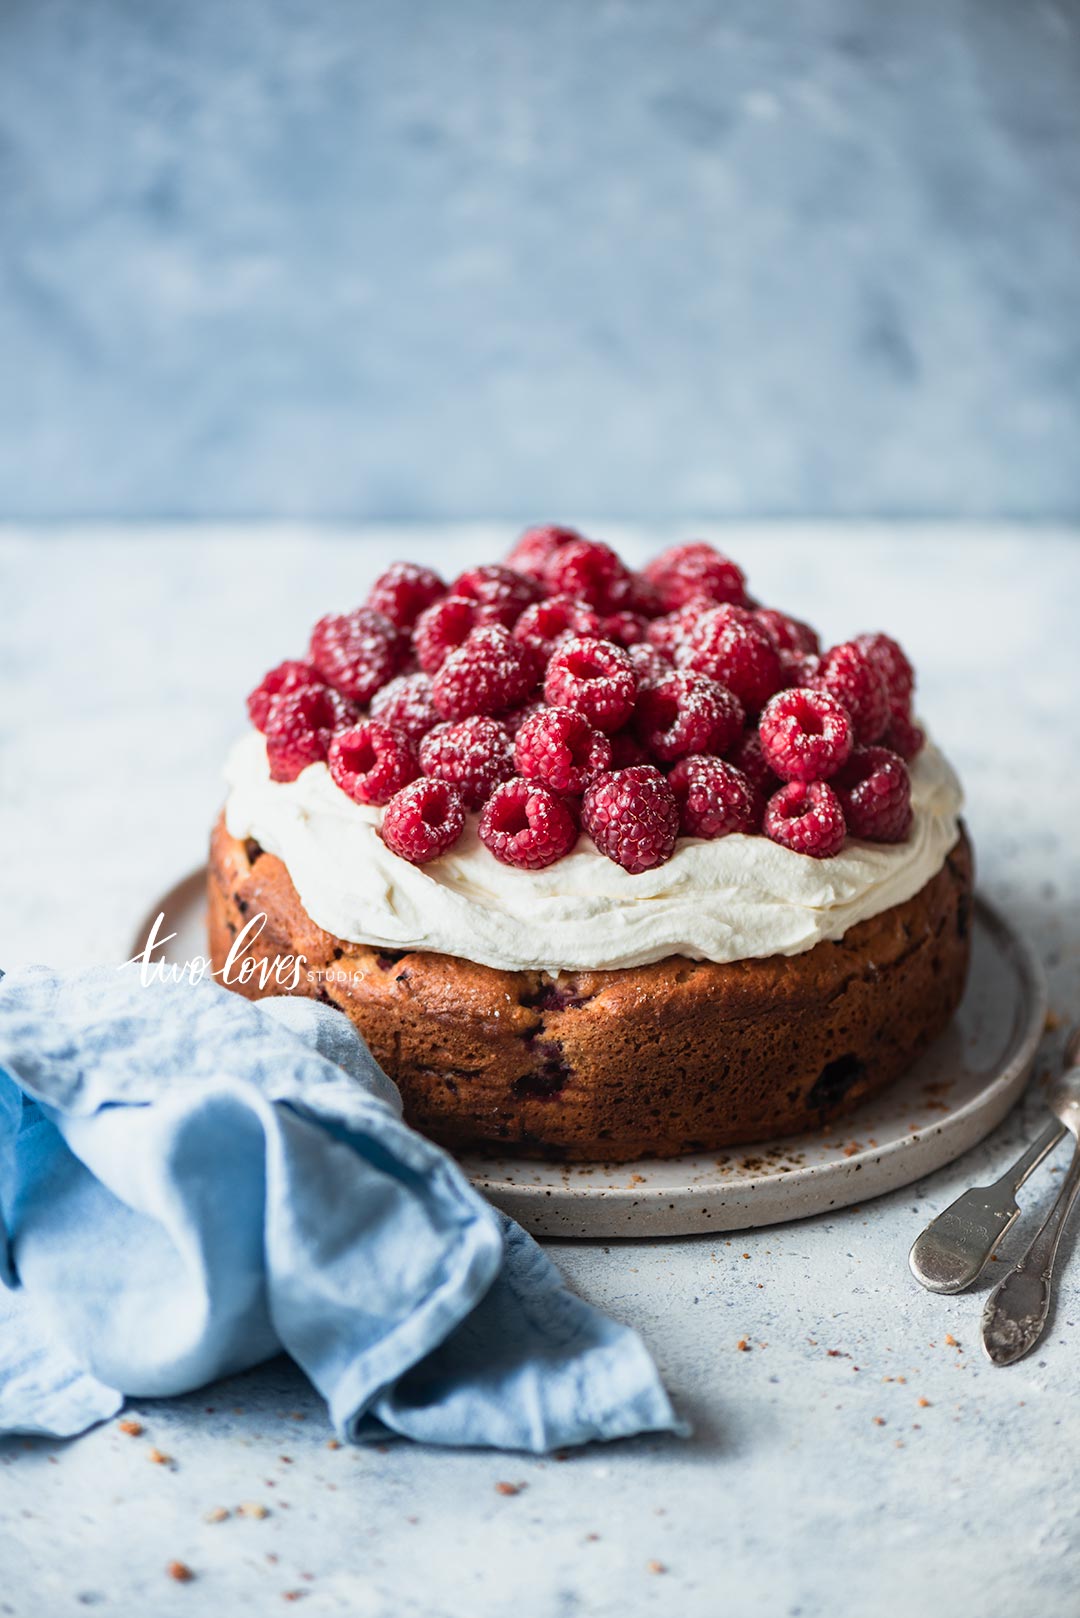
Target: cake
601, 864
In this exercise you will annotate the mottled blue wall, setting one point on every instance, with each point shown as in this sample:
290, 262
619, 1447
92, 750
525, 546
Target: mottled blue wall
639, 257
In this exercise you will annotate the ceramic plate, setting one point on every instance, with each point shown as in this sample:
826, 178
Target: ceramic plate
957, 1093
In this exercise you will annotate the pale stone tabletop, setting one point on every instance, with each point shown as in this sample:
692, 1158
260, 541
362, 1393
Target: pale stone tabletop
859, 1458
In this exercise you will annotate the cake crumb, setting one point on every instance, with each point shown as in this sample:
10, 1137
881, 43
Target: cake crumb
333, 1443
743, 1346
879, 1421
509, 1488
950, 1340
924, 1404
253, 1508
216, 1514
158, 1457
656, 1567
131, 1427
180, 1572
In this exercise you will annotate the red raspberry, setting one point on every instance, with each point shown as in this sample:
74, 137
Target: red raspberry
517, 716
404, 591
691, 570
850, 675
285, 677
558, 618
805, 735
648, 664
893, 665
503, 592
474, 755
730, 647
626, 750
560, 747
525, 823
595, 677
874, 789
406, 704
748, 756
787, 634
590, 571
806, 816
799, 668
443, 628
489, 673
357, 651
687, 713
714, 798
638, 595
423, 820
904, 736
632, 817
671, 631
536, 547
372, 761
624, 628
299, 726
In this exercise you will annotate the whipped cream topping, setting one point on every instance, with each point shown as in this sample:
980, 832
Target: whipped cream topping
727, 900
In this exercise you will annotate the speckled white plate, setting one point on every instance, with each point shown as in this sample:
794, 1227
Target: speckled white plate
959, 1091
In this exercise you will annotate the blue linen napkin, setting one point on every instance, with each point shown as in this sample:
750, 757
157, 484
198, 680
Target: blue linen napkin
191, 1182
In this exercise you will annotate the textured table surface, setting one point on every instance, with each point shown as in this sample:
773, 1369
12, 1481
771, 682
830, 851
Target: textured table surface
861, 1459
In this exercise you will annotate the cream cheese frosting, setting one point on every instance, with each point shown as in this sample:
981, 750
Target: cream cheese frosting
728, 900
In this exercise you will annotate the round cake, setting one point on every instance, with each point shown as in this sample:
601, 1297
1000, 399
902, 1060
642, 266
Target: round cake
602, 865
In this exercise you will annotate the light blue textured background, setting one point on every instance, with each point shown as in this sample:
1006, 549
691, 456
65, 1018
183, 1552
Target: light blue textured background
526, 259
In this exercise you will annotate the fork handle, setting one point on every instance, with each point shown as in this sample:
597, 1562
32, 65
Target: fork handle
1015, 1315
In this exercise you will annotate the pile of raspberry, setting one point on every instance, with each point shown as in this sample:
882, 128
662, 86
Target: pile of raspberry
561, 690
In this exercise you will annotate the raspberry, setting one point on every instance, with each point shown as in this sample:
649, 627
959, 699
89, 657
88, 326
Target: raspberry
624, 628
893, 665
805, 735
357, 651
729, 646
632, 817
299, 726
503, 592
285, 677
671, 631
648, 664
747, 755
558, 618
806, 816
595, 677
560, 747
474, 755
443, 628
525, 823
799, 668
404, 591
626, 750
535, 549
590, 571
904, 736
638, 595
874, 789
687, 713
423, 820
488, 673
372, 761
787, 634
517, 716
849, 674
406, 704
691, 570
714, 798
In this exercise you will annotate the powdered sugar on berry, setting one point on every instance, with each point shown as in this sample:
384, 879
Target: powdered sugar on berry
732, 899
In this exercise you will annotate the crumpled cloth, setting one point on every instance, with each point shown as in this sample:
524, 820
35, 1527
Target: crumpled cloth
191, 1182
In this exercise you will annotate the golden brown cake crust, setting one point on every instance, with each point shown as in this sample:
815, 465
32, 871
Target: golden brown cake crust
643, 1061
